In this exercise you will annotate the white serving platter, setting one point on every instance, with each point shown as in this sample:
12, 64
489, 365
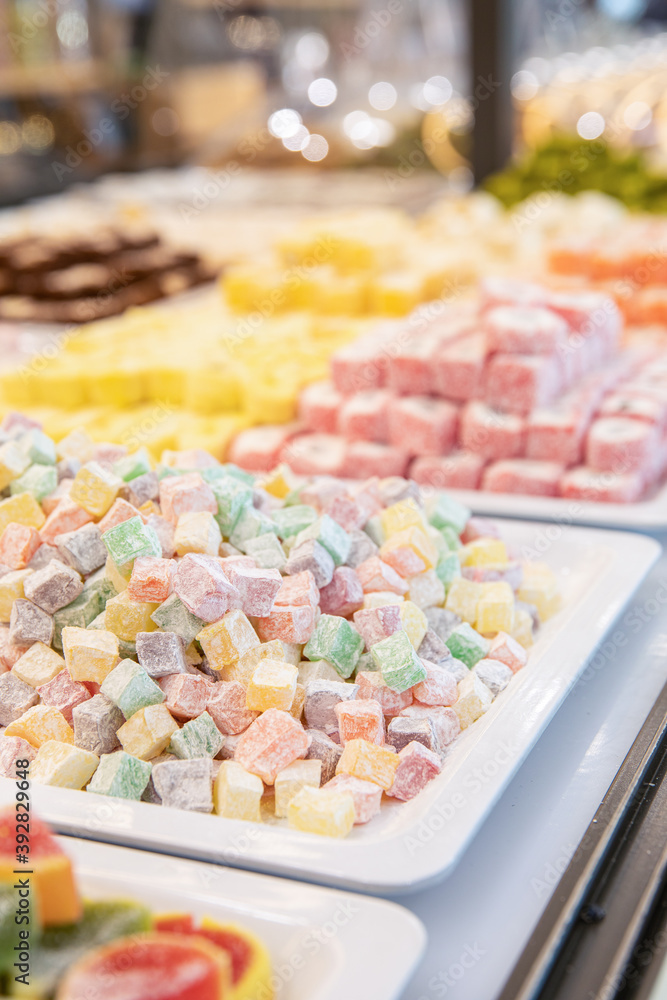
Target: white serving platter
411, 845
324, 944
646, 515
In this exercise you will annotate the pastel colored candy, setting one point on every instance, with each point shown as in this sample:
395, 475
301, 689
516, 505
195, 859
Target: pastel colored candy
89, 655
39, 724
226, 704
336, 641
322, 697
120, 775
361, 719
322, 811
199, 737
148, 732
494, 674
367, 796
373, 686
184, 784
13, 749
270, 743
237, 794
398, 662
272, 685
403, 730
16, 698
202, 586
297, 775
417, 766
186, 695
64, 694
96, 722
323, 748
62, 765
161, 654
130, 688
438, 688
506, 649
52, 587
369, 762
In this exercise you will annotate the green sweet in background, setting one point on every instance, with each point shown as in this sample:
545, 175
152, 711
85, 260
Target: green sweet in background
569, 164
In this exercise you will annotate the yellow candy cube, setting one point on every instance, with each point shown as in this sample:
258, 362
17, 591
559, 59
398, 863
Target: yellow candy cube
474, 700
368, 761
95, 489
226, 640
63, 765
22, 508
13, 463
321, 810
40, 724
114, 575
245, 666
296, 708
11, 589
197, 531
381, 598
279, 482
148, 732
540, 587
522, 628
495, 609
414, 622
462, 599
38, 665
90, 654
272, 685
484, 552
76, 444
125, 618
289, 782
420, 556
402, 515
237, 794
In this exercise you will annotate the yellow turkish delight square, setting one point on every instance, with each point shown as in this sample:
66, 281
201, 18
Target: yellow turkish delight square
22, 508
40, 724
369, 762
540, 587
323, 811
495, 609
11, 589
38, 665
95, 489
226, 640
272, 685
90, 654
197, 531
63, 766
414, 622
125, 617
484, 552
402, 515
237, 794
462, 599
148, 732
297, 775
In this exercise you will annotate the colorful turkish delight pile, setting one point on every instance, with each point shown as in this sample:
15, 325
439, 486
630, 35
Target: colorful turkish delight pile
523, 390
191, 635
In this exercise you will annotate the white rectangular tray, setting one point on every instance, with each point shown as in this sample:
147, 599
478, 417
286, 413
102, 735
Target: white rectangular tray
409, 845
647, 515
324, 944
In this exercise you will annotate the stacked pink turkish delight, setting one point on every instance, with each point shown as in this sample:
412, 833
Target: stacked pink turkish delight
524, 390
